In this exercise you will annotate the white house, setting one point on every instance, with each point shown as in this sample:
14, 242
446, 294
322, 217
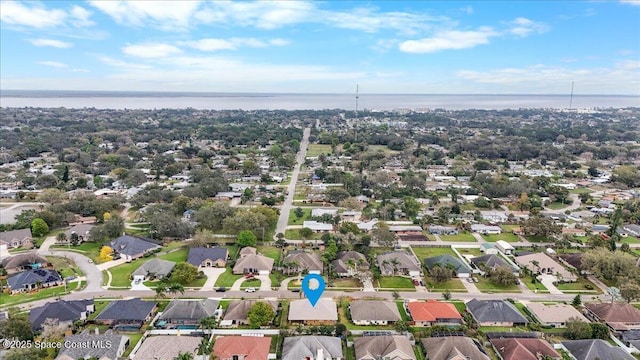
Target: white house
486, 229
505, 247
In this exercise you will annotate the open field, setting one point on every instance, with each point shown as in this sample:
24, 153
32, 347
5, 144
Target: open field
294, 220
318, 149
395, 282
426, 252
485, 285
453, 285
507, 236
461, 237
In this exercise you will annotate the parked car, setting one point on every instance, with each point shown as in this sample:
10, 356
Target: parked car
475, 280
136, 282
221, 289
470, 280
250, 290
295, 290
249, 276
90, 261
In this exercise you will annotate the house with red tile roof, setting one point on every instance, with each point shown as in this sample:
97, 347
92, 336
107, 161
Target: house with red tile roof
432, 312
242, 347
523, 349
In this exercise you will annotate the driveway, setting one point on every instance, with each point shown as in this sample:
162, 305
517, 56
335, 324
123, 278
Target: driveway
471, 287
110, 264
547, 281
265, 282
139, 286
212, 276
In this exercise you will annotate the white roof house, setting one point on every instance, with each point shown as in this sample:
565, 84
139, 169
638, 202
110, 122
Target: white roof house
505, 247
317, 226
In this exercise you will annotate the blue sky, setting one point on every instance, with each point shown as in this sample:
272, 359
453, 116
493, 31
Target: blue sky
504, 47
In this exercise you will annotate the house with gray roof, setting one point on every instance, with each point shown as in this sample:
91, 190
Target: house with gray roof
110, 346
592, 349
312, 348
491, 262
347, 263
398, 262
24, 261
154, 269
63, 311
82, 231
237, 312
453, 347
253, 264
299, 261
186, 312
16, 238
133, 247
372, 312
383, 347
33, 279
166, 347
495, 313
127, 312
208, 257
324, 313
448, 261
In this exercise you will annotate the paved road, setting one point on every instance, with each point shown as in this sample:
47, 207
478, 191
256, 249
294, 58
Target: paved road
91, 272
285, 209
8, 213
574, 205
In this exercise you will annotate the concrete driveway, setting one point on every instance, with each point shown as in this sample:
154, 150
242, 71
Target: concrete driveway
547, 281
139, 286
212, 276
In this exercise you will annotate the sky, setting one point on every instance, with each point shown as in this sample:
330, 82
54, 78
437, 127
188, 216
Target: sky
399, 47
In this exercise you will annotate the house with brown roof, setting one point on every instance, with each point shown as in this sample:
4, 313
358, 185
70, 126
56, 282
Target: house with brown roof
299, 261
618, 316
24, 261
237, 312
242, 347
16, 238
383, 347
253, 263
324, 313
348, 262
555, 315
372, 312
453, 347
432, 312
523, 349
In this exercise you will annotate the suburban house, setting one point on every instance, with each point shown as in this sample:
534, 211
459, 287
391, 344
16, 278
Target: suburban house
495, 313
115, 350
318, 212
208, 257
371, 312
383, 347
447, 261
127, 313
324, 313
541, 263
24, 261
299, 261
489, 248
398, 262
16, 238
251, 262
443, 230
432, 312
347, 263
312, 348
179, 313
33, 279
406, 229
81, 231
237, 312
574, 261
132, 247
618, 316
632, 229
453, 347
491, 262
242, 347
154, 269
574, 232
317, 227
555, 315
590, 349
523, 349
486, 229
505, 247
166, 347
62, 310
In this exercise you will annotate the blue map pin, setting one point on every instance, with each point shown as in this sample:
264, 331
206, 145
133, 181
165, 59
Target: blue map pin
313, 294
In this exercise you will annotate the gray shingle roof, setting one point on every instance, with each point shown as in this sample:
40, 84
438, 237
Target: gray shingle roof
341, 263
495, 311
302, 347
198, 255
157, 267
383, 347
62, 310
305, 260
189, 309
405, 261
453, 347
239, 309
254, 262
132, 245
595, 349
491, 261
33, 276
447, 259
132, 309
22, 260
98, 352
7, 236
371, 310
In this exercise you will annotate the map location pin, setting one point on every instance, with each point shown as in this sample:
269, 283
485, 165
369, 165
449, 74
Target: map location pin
313, 287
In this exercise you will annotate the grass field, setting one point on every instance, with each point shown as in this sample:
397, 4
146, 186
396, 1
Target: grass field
294, 234
318, 149
581, 191
425, 252
557, 205
66, 267
294, 220
91, 249
177, 256
580, 285
271, 252
451, 285
485, 285
121, 274
250, 283
507, 236
461, 237
133, 341
345, 283
7, 299
538, 286
99, 306
396, 282
473, 251
227, 278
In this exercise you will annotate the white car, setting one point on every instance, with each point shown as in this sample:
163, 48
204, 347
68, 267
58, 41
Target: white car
250, 290
90, 261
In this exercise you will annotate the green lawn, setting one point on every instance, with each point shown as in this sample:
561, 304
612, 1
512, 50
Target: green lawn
7, 299
508, 237
66, 267
91, 249
318, 149
533, 287
425, 252
250, 283
345, 283
579, 286
227, 278
176, 256
451, 285
472, 251
396, 282
294, 234
485, 285
133, 341
460, 306
121, 274
557, 205
630, 240
271, 252
294, 220
461, 237
99, 306
581, 191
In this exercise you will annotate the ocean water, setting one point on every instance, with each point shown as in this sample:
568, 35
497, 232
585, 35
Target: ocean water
275, 101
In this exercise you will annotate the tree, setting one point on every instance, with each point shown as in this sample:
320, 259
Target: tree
246, 238
184, 273
306, 233
175, 288
609, 264
401, 326
410, 206
577, 329
298, 212
105, 254
16, 327
540, 226
382, 235
39, 227
336, 194
211, 217
446, 295
599, 331
440, 273
205, 347
630, 290
626, 174
51, 196
577, 301
614, 292
504, 276
260, 314
208, 323
341, 329
349, 227
61, 237
184, 356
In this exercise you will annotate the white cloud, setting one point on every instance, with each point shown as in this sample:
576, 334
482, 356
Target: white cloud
107, 60
232, 43
631, 2
150, 50
259, 14
467, 9
449, 40
55, 64
51, 42
35, 15
167, 15
524, 27
80, 17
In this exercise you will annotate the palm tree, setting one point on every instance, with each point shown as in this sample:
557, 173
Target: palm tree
161, 291
61, 237
395, 264
176, 288
208, 323
204, 348
184, 356
536, 263
352, 263
385, 263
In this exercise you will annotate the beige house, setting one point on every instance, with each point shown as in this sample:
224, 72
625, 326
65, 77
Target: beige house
383, 347
324, 313
555, 315
541, 263
372, 312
